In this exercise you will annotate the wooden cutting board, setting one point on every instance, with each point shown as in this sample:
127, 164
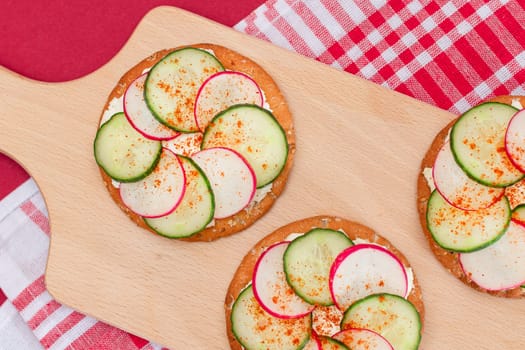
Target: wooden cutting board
359, 148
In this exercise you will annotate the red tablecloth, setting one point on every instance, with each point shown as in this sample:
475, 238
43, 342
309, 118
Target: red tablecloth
452, 55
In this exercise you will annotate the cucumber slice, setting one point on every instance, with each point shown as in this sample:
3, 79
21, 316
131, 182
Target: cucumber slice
254, 328
477, 140
313, 343
466, 231
307, 262
172, 85
391, 316
328, 343
518, 214
254, 133
501, 265
123, 153
195, 210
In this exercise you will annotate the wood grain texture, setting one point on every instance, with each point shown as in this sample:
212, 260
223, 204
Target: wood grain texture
359, 148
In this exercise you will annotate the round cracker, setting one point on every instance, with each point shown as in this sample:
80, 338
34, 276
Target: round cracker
231, 60
243, 275
448, 259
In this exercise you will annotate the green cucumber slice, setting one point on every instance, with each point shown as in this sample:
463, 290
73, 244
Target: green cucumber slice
195, 210
477, 140
254, 133
391, 316
254, 328
122, 152
307, 262
466, 231
518, 214
328, 343
172, 85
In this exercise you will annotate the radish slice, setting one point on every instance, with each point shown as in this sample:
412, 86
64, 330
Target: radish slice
515, 140
362, 339
313, 343
140, 116
501, 265
159, 193
457, 188
185, 144
366, 269
518, 215
232, 179
326, 320
222, 90
270, 288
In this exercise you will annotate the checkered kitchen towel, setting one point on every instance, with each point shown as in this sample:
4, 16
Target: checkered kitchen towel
450, 54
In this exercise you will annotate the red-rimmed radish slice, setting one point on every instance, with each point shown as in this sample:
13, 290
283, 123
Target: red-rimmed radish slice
501, 265
326, 320
457, 188
366, 269
222, 90
515, 140
195, 210
271, 289
362, 339
140, 116
313, 343
160, 192
518, 214
232, 179
516, 193
254, 328
185, 144
328, 343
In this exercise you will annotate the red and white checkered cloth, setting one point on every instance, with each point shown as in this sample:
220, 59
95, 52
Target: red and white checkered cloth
450, 54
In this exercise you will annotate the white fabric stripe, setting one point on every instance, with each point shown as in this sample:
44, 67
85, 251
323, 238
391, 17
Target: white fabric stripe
72, 334
155, 346
241, 26
325, 17
297, 23
51, 321
17, 197
353, 10
272, 33
14, 332
39, 203
36, 305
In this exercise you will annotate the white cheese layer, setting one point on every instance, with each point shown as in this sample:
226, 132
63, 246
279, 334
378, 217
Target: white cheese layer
427, 173
516, 103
